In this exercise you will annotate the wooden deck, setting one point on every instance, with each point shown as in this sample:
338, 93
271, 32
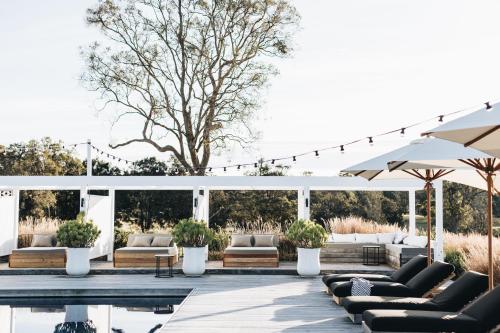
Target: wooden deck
218, 303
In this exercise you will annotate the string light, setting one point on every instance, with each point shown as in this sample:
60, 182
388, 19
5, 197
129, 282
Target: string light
401, 130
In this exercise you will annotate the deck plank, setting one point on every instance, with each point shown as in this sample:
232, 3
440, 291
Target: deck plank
221, 303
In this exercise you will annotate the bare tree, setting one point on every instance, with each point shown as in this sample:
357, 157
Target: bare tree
191, 70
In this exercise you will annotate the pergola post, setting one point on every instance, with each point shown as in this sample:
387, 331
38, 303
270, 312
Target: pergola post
84, 199
17, 198
201, 203
112, 212
304, 203
412, 218
439, 243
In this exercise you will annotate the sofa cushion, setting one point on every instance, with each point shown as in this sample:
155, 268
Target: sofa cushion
343, 238
44, 240
148, 249
241, 240
419, 241
263, 240
379, 288
40, 250
131, 238
430, 277
359, 304
142, 241
330, 278
419, 321
406, 272
399, 237
161, 241
386, 238
366, 238
250, 250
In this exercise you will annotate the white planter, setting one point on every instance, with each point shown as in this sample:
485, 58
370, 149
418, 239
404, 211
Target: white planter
77, 261
76, 313
308, 262
193, 263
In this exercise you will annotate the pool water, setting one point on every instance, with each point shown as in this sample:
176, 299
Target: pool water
86, 315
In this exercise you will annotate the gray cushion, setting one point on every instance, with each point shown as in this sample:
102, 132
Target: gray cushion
148, 249
131, 238
161, 241
251, 250
263, 240
241, 240
142, 241
43, 240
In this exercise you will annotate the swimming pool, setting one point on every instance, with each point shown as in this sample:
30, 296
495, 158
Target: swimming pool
86, 314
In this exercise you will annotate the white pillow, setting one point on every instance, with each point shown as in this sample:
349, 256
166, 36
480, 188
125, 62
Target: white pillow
386, 238
420, 241
399, 237
344, 238
366, 238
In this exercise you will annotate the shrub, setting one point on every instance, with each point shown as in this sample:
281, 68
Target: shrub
191, 233
307, 234
352, 224
218, 243
78, 233
457, 259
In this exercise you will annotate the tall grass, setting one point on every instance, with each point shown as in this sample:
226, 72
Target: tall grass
474, 249
30, 226
354, 224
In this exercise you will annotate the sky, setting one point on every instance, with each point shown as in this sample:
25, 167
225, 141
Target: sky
361, 67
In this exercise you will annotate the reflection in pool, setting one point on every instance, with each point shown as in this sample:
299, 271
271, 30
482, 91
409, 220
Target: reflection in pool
86, 315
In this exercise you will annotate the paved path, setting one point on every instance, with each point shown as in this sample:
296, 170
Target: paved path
221, 303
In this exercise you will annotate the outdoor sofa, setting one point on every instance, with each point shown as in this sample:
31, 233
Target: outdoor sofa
396, 248
402, 275
480, 316
421, 285
465, 289
43, 252
142, 248
252, 251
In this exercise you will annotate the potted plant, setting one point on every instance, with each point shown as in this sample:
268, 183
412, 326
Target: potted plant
78, 236
309, 237
193, 236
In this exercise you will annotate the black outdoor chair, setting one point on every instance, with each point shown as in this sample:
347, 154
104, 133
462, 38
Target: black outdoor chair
402, 275
418, 286
460, 293
482, 315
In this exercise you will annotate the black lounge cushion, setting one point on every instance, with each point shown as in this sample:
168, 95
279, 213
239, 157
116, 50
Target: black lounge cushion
420, 321
359, 304
420, 284
460, 293
479, 316
402, 275
486, 309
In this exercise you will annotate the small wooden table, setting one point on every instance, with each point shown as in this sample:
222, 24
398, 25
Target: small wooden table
170, 265
374, 250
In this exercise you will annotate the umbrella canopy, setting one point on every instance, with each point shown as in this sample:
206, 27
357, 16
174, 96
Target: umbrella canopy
443, 159
426, 159
480, 130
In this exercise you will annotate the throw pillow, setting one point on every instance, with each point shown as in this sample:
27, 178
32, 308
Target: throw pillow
386, 238
43, 240
263, 240
344, 238
241, 240
399, 238
142, 241
161, 241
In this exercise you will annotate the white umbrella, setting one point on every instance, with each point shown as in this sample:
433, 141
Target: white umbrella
480, 130
426, 159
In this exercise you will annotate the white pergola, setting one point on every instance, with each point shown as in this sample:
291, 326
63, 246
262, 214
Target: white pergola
102, 208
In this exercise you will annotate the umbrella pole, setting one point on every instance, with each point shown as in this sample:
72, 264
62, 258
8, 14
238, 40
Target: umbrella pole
428, 188
489, 179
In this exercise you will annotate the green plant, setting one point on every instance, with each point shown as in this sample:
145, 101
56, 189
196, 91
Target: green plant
191, 233
307, 234
78, 233
457, 259
216, 246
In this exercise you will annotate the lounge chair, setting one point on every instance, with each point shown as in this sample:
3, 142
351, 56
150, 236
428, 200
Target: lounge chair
402, 275
142, 248
420, 285
44, 252
252, 251
460, 293
480, 316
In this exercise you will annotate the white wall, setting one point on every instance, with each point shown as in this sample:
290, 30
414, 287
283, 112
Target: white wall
8, 221
100, 212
